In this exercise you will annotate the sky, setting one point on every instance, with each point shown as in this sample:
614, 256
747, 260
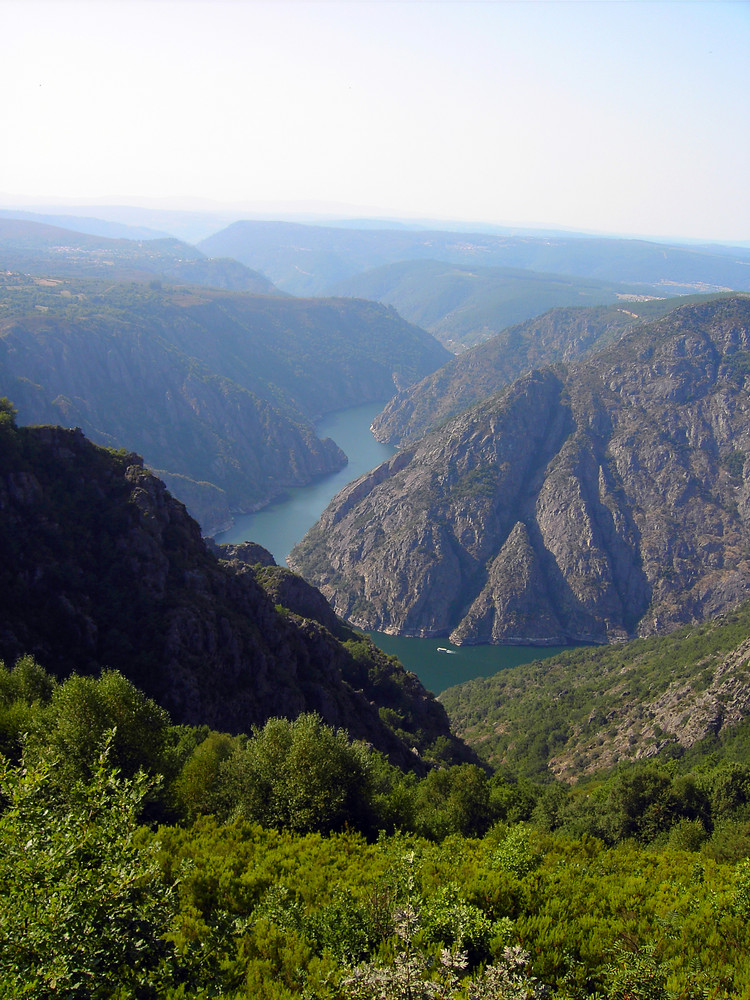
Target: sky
603, 116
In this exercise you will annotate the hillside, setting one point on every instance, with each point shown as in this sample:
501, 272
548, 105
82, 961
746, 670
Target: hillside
101, 567
310, 260
590, 709
463, 306
584, 503
214, 387
47, 250
557, 335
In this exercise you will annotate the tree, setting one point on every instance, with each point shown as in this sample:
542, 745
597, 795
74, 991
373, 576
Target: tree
85, 910
83, 709
453, 800
301, 775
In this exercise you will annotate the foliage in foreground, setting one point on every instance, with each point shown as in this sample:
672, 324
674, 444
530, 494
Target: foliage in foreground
268, 879
85, 910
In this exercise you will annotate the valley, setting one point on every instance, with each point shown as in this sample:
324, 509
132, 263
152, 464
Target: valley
248, 771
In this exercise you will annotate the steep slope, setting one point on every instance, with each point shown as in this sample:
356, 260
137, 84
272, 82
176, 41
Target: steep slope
216, 388
42, 249
564, 334
592, 708
100, 567
308, 260
466, 305
583, 503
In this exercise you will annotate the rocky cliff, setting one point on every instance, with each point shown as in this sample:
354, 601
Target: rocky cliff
101, 567
563, 334
585, 503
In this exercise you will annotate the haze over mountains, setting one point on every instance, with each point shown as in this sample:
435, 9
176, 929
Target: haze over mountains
218, 390
310, 260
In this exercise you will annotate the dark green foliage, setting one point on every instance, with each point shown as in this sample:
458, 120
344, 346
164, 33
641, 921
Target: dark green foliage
734, 463
298, 775
453, 800
85, 911
83, 709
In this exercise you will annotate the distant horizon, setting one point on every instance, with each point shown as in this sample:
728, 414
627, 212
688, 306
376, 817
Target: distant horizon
604, 118
321, 214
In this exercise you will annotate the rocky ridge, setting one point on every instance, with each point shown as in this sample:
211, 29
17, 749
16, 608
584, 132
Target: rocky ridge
585, 503
101, 567
562, 334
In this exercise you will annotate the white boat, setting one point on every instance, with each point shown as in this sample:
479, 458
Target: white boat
442, 649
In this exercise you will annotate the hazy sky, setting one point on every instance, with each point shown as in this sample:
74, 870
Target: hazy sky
611, 116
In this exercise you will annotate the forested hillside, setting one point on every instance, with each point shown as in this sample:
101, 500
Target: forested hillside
464, 305
589, 709
101, 568
310, 260
218, 390
587, 502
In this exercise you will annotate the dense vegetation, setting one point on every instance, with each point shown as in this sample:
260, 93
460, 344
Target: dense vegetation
260, 871
588, 708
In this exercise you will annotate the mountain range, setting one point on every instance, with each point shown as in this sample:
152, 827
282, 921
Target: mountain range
312, 260
33, 247
561, 334
463, 305
586, 502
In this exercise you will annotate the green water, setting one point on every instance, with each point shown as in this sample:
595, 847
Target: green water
281, 525
438, 671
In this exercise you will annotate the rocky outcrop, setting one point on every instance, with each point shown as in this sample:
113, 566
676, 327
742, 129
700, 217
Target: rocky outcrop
584, 503
101, 567
558, 335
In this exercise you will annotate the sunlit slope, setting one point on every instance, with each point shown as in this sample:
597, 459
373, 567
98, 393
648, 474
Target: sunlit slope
586, 502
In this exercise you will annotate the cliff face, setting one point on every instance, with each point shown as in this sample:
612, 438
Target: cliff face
584, 503
101, 567
564, 334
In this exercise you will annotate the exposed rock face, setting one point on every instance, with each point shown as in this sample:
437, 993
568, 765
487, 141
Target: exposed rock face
101, 567
584, 503
558, 335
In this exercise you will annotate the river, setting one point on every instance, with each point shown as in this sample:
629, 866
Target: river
282, 524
